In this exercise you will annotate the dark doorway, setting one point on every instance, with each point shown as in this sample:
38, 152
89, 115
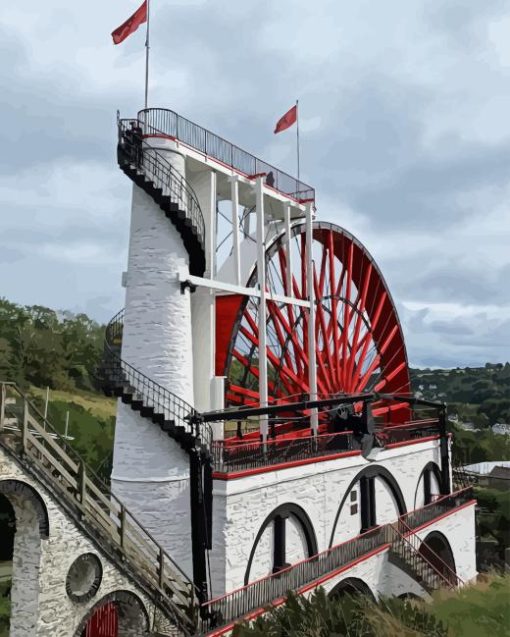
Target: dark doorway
436, 549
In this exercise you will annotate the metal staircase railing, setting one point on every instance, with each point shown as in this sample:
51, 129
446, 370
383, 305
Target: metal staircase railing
427, 568
233, 606
150, 170
160, 404
43, 451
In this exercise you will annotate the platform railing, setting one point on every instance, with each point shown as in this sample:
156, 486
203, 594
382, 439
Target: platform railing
409, 539
232, 455
237, 604
258, 594
168, 122
413, 430
443, 504
33, 439
161, 172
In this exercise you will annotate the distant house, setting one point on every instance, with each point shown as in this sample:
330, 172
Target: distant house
494, 474
468, 426
501, 428
499, 478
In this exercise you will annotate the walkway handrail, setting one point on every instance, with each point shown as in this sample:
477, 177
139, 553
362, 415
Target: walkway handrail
233, 455
418, 517
77, 485
167, 122
236, 604
164, 176
448, 573
163, 400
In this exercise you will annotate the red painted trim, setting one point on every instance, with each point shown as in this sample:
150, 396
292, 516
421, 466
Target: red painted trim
209, 158
442, 516
277, 602
281, 600
218, 475
346, 567
415, 441
160, 136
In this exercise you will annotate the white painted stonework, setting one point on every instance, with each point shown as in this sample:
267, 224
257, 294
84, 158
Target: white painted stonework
150, 471
40, 604
241, 506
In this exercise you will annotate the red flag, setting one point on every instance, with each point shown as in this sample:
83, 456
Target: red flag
287, 120
131, 24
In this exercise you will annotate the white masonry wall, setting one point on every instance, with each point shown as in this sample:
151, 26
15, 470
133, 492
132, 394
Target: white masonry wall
150, 471
40, 605
242, 505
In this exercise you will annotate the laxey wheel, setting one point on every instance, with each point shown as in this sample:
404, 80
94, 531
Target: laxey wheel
358, 338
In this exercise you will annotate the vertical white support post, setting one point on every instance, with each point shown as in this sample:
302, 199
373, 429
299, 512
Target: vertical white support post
234, 184
288, 250
261, 273
212, 238
312, 362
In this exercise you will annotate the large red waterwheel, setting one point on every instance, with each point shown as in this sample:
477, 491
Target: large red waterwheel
358, 337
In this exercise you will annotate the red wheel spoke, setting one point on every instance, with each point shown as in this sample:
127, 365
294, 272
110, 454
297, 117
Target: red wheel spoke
357, 327
321, 324
357, 336
347, 316
274, 360
334, 302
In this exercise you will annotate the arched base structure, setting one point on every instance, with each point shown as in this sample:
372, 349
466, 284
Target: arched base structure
119, 614
352, 586
436, 549
32, 527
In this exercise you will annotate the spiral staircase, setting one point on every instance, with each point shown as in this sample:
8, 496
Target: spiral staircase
152, 172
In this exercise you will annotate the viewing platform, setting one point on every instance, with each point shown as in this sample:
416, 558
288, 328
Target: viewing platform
164, 122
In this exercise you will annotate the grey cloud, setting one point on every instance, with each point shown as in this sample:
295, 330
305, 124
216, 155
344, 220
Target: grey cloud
215, 62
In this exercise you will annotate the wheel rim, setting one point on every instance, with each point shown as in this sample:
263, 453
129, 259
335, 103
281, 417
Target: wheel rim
358, 338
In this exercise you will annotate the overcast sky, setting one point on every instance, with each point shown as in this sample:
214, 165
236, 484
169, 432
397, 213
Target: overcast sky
405, 134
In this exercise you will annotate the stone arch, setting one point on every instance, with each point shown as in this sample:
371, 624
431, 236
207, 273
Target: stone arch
429, 468
352, 586
131, 614
283, 511
7, 528
15, 490
373, 471
32, 528
436, 549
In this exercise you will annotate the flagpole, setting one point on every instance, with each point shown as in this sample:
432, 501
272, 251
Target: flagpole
297, 136
147, 48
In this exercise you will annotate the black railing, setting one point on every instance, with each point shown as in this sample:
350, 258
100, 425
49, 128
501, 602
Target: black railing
163, 401
162, 120
443, 504
235, 605
394, 434
417, 551
162, 174
231, 455
258, 594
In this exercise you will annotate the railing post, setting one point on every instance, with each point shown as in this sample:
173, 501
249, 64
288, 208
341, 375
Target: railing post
82, 485
161, 565
122, 526
24, 427
2, 407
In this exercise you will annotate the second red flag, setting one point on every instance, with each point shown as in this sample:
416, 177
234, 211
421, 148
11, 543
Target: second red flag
287, 120
131, 24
